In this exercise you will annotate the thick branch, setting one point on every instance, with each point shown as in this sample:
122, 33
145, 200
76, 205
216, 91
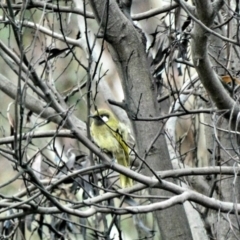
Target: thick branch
203, 65
55, 8
34, 104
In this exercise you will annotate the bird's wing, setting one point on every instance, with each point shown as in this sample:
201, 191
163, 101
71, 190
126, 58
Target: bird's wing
121, 134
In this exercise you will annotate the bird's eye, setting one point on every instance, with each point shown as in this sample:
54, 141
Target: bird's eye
104, 118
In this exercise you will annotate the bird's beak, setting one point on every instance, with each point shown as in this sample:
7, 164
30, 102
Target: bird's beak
92, 116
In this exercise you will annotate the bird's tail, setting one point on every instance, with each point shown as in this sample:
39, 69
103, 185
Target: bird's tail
123, 159
125, 181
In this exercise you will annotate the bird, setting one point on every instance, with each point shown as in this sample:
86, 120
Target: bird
111, 136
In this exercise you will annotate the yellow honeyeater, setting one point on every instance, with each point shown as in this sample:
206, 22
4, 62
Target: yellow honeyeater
111, 136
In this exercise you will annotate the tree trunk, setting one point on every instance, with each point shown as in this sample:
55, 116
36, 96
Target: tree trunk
128, 52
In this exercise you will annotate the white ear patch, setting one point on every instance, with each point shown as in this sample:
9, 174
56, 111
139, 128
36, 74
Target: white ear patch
105, 118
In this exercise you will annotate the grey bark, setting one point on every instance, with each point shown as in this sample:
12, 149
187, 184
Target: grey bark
223, 226
37, 106
202, 63
227, 227
128, 52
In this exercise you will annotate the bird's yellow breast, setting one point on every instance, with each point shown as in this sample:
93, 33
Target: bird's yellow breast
105, 138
